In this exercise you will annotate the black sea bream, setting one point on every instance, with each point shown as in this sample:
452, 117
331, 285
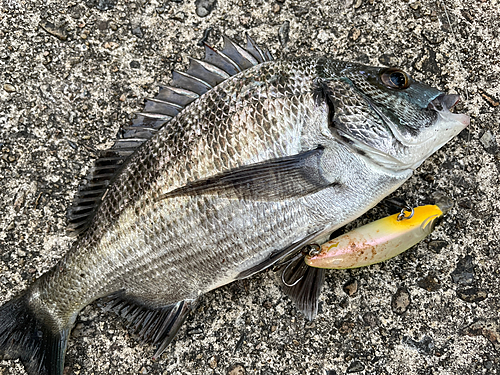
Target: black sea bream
240, 163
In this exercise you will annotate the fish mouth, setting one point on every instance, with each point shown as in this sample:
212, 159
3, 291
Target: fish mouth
444, 103
444, 100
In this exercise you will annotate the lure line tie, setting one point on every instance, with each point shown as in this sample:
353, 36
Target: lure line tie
402, 215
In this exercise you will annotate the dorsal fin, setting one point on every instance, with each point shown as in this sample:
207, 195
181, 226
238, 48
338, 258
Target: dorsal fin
200, 77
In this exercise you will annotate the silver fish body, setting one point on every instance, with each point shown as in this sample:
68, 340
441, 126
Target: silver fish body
273, 158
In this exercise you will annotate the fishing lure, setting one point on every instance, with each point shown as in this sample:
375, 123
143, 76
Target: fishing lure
377, 241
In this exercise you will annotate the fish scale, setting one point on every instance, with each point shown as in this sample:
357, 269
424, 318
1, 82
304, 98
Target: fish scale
211, 185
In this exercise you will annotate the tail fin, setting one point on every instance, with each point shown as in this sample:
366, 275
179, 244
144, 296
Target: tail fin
24, 336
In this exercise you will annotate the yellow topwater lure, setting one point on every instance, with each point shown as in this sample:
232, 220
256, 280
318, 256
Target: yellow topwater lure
376, 241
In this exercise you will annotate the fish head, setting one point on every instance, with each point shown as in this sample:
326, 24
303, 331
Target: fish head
386, 115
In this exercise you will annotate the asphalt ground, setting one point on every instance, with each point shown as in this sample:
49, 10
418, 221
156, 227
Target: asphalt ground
72, 73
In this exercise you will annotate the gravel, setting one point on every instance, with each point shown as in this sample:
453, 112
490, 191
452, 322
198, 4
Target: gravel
71, 73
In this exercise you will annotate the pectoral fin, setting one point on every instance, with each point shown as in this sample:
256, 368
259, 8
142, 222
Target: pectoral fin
287, 177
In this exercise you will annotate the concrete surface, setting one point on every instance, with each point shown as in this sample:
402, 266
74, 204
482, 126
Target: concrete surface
72, 72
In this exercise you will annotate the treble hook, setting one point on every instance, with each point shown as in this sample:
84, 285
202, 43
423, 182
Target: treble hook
312, 249
288, 263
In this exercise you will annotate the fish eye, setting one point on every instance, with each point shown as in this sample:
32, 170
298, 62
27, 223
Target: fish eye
395, 79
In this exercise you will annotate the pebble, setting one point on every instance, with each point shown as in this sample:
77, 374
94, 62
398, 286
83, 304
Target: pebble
488, 141
388, 60
194, 331
9, 88
345, 327
104, 4
355, 366
179, 16
464, 273
110, 45
137, 31
351, 287
429, 283
400, 301
489, 329
415, 5
213, 362
205, 7
267, 304
424, 346
236, 369
103, 25
52, 29
437, 245
370, 319
284, 33
472, 295
355, 34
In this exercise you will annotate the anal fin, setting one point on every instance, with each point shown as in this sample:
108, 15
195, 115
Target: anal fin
157, 326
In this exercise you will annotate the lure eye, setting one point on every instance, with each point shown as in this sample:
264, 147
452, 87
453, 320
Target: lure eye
395, 79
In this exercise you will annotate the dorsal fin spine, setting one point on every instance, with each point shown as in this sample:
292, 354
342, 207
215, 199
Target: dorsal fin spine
230, 60
247, 55
214, 57
158, 116
254, 50
212, 68
237, 54
182, 91
166, 102
189, 76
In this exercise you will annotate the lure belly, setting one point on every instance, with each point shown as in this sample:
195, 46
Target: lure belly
377, 241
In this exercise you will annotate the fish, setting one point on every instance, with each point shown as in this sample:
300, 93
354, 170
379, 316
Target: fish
235, 167
377, 241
